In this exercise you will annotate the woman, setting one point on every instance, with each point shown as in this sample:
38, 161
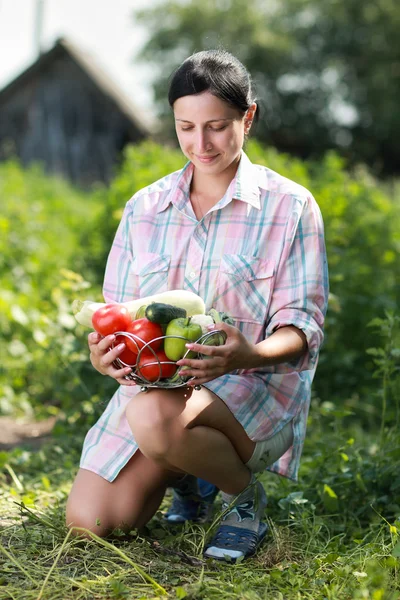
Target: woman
249, 242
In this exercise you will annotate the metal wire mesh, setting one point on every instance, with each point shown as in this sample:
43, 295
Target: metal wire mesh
211, 338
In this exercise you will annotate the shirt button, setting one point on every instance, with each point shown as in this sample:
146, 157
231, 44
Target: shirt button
192, 275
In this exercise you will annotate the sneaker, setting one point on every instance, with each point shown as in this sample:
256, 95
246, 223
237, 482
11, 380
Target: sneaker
193, 500
241, 530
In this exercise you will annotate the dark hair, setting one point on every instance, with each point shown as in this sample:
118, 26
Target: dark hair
215, 71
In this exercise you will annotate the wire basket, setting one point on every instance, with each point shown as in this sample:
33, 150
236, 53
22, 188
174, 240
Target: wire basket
211, 338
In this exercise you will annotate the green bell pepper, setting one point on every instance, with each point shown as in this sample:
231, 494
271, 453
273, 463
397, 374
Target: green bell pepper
174, 347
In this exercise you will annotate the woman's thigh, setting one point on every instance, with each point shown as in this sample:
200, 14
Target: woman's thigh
209, 410
162, 414
126, 503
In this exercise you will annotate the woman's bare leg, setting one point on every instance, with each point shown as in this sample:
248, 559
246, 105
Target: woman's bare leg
126, 503
177, 431
193, 431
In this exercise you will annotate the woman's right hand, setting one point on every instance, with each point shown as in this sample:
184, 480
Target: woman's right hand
102, 356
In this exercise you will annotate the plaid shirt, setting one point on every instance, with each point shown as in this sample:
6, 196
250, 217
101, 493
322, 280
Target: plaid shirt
259, 255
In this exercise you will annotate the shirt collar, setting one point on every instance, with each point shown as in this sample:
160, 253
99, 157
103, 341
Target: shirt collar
179, 192
245, 183
244, 186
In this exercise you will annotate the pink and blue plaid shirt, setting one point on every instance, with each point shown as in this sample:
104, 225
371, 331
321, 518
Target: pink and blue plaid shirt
259, 255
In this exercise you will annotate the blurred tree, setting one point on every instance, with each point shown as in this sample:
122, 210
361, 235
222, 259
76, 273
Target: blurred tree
327, 74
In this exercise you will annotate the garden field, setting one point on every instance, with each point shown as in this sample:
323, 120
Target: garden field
333, 535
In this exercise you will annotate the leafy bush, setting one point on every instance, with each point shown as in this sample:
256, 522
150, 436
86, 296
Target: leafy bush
345, 469
44, 225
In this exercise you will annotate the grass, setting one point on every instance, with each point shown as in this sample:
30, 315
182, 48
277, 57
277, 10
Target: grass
334, 535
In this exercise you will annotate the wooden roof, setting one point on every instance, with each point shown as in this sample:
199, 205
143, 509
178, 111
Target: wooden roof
96, 73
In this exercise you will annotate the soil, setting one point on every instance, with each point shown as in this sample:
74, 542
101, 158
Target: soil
24, 433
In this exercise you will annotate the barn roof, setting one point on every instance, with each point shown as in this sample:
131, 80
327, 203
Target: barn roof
93, 70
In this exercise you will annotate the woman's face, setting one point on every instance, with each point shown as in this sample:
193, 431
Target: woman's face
210, 131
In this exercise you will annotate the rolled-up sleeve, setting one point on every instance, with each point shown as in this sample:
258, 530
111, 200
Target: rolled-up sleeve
300, 294
118, 283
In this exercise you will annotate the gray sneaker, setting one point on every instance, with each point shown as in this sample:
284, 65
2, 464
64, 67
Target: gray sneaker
241, 530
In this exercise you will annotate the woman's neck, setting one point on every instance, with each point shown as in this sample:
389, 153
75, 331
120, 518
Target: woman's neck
207, 191
213, 186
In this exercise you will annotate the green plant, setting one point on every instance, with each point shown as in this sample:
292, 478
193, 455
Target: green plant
44, 364
386, 359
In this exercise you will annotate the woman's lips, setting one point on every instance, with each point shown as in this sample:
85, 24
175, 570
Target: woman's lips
206, 159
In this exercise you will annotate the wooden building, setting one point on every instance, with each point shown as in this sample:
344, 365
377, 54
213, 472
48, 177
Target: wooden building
66, 113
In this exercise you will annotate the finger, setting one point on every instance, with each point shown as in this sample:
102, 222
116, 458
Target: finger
204, 370
124, 381
200, 373
94, 338
109, 356
202, 363
119, 374
211, 351
200, 380
105, 343
99, 345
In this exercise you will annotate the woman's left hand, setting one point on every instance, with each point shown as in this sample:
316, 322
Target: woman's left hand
237, 353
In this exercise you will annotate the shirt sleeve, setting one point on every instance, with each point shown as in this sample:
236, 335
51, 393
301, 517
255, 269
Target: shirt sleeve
300, 294
118, 283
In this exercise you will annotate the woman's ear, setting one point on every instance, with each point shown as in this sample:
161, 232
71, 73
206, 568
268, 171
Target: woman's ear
249, 116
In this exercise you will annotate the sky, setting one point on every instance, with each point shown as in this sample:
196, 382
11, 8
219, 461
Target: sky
103, 28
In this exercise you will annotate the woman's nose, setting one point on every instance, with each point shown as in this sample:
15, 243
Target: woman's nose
202, 141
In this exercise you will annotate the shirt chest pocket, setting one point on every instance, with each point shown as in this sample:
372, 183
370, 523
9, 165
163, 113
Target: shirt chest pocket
151, 272
244, 287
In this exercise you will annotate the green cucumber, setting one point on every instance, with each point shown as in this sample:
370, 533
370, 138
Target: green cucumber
160, 313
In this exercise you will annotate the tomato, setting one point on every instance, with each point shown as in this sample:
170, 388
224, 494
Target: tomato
146, 331
111, 318
152, 367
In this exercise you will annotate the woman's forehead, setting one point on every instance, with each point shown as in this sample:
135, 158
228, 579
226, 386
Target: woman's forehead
203, 107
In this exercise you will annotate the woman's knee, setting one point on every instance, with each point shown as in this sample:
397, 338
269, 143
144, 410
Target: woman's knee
91, 506
82, 520
154, 421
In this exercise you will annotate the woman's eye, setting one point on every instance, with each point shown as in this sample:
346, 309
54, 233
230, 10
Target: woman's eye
211, 128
